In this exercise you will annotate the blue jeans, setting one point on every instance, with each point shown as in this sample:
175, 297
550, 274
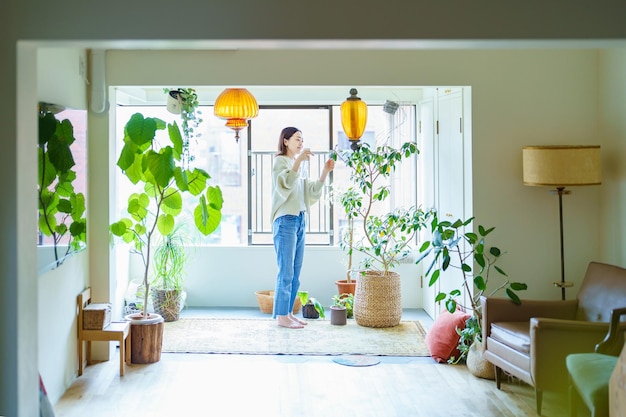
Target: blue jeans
289, 247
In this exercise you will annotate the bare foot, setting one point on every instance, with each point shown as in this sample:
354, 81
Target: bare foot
285, 321
294, 318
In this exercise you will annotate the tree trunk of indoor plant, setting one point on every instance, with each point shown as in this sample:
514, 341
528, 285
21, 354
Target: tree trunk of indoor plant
146, 338
378, 299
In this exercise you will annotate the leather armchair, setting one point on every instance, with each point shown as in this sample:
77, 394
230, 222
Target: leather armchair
530, 341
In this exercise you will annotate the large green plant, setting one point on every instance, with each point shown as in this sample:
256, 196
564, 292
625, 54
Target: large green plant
158, 168
389, 235
452, 247
170, 258
61, 208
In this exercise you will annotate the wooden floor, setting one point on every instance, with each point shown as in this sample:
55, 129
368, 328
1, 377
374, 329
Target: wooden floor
290, 385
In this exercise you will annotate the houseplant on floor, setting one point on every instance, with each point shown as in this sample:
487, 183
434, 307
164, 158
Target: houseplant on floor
451, 246
387, 234
346, 243
311, 307
170, 258
155, 164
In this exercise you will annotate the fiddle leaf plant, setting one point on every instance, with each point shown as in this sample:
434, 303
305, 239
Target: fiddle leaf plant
158, 168
454, 248
61, 208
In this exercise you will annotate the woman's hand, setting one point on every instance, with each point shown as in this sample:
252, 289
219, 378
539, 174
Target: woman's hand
328, 166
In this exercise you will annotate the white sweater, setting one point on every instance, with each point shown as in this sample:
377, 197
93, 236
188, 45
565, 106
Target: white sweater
289, 191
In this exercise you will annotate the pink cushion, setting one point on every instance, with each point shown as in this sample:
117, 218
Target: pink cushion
442, 339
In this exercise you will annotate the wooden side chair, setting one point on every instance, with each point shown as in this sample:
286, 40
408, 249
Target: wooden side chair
589, 373
114, 331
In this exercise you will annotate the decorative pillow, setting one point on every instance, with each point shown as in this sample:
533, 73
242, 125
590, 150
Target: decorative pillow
442, 339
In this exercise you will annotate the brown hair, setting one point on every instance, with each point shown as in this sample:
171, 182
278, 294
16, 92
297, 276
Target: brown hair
286, 133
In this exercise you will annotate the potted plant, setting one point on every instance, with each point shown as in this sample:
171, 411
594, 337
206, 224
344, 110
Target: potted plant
347, 285
61, 208
311, 307
170, 258
387, 235
187, 107
346, 300
452, 247
152, 211
341, 308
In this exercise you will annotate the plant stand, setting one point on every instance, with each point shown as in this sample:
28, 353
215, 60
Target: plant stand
338, 315
378, 299
146, 336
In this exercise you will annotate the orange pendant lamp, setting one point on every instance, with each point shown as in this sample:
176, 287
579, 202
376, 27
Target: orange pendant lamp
353, 117
237, 106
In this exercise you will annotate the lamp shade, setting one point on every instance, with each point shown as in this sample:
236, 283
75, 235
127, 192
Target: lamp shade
353, 116
237, 106
561, 166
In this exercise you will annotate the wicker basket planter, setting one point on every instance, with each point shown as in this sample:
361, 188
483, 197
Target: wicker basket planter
378, 300
265, 299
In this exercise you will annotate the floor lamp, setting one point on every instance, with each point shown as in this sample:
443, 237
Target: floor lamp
559, 167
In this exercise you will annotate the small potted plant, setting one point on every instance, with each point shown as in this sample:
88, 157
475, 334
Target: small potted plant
311, 308
452, 247
170, 258
341, 309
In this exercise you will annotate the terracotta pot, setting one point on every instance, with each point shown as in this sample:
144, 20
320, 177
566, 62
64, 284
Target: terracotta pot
343, 287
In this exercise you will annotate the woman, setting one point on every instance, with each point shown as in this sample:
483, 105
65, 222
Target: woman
291, 198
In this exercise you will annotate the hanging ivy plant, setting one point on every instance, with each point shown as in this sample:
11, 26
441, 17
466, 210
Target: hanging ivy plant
61, 208
191, 118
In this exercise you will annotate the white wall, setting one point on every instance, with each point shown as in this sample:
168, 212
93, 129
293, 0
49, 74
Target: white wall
60, 82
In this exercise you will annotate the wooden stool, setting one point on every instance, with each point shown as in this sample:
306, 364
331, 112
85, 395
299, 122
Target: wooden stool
114, 331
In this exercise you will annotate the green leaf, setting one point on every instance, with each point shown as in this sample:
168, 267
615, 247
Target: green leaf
140, 130
514, 297
161, 166
451, 305
518, 286
434, 277
480, 283
440, 296
172, 202
197, 181
119, 228
165, 224
176, 138
206, 218
495, 251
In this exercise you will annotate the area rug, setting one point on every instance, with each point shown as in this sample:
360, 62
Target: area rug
264, 337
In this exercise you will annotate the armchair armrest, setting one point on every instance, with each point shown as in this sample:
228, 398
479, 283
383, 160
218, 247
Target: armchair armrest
613, 343
503, 309
551, 340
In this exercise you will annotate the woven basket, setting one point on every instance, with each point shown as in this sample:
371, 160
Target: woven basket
378, 299
266, 302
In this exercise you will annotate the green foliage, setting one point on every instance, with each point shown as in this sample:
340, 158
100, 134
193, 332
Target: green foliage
170, 257
191, 119
61, 208
345, 300
158, 168
467, 252
304, 299
386, 237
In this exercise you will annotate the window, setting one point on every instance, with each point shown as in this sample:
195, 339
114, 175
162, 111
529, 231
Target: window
243, 170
